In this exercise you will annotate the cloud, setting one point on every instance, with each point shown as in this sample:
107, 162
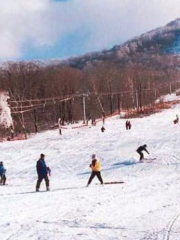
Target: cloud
22, 21
114, 21
42, 23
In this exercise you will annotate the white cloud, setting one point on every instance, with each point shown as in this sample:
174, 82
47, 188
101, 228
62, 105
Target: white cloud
21, 21
43, 22
118, 20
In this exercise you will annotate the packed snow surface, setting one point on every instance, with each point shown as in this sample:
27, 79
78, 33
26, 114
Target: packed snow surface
146, 206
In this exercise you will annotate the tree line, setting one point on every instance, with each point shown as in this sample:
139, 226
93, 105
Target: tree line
40, 94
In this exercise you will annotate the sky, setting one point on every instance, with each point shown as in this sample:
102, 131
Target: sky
57, 29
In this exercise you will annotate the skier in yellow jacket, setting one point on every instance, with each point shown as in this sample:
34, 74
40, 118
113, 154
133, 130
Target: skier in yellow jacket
96, 170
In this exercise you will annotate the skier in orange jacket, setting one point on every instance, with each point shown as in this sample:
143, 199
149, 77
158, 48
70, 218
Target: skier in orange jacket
96, 170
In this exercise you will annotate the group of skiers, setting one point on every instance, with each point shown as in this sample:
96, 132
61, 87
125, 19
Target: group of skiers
43, 171
127, 125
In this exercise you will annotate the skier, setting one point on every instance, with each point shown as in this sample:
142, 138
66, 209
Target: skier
59, 126
128, 125
96, 170
103, 129
176, 120
42, 171
2, 174
140, 151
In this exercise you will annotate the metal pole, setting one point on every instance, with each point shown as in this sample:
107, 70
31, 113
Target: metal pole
137, 101
84, 108
170, 88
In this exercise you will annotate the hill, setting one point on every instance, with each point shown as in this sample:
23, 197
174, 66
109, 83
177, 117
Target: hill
143, 49
146, 206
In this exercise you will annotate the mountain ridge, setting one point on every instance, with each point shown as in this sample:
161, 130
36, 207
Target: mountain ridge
157, 41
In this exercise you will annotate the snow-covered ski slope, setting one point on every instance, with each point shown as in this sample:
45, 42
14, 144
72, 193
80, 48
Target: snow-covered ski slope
146, 206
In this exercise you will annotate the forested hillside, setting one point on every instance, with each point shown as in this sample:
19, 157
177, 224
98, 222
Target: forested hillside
130, 76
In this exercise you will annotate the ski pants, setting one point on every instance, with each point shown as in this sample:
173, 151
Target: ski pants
40, 178
141, 155
93, 174
3, 179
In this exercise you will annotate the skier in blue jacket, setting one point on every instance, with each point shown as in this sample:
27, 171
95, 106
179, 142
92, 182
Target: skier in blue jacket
2, 174
42, 171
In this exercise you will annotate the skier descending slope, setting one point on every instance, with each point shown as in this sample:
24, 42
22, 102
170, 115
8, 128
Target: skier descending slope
140, 151
42, 171
2, 174
96, 170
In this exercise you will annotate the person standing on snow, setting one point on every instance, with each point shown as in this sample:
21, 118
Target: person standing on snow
42, 171
59, 126
128, 125
103, 129
96, 170
2, 174
140, 151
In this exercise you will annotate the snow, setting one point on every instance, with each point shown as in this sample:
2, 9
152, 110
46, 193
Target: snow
168, 97
146, 206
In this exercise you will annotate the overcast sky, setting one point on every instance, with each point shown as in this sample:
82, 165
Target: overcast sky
50, 29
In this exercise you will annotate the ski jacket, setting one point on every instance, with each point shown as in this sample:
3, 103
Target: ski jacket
2, 170
142, 148
95, 165
41, 167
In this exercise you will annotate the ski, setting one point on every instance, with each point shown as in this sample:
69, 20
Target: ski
115, 182
149, 159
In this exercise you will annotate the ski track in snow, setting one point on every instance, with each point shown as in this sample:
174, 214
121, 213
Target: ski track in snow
145, 207
170, 228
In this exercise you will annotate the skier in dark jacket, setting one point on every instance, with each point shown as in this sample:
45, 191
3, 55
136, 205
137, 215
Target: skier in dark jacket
42, 171
140, 151
103, 129
128, 125
2, 174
